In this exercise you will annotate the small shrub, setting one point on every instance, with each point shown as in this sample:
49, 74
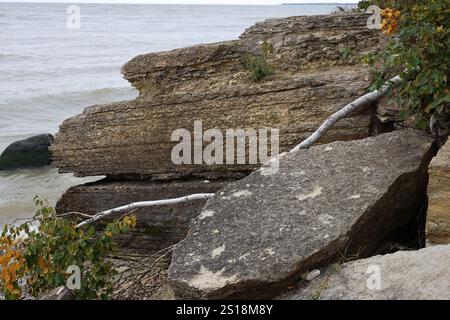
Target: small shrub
257, 64
346, 53
364, 4
421, 45
37, 258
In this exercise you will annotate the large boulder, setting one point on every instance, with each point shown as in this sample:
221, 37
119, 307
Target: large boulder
438, 216
30, 152
258, 235
312, 79
404, 275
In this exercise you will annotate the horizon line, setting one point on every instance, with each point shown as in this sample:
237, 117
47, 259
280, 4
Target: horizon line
193, 3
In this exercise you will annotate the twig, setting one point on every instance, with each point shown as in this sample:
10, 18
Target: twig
155, 262
162, 253
75, 213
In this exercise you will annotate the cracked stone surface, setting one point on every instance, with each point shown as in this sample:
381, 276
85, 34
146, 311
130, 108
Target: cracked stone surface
258, 235
404, 275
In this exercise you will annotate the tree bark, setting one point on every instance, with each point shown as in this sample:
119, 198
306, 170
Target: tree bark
142, 204
369, 98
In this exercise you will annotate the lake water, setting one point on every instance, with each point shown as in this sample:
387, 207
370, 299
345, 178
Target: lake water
49, 72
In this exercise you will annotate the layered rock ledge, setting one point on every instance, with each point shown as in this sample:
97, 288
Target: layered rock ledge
312, 79
130, 142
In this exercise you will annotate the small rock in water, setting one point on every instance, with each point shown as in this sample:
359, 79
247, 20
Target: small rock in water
31, 152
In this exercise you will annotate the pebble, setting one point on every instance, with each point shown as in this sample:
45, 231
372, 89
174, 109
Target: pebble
312, 275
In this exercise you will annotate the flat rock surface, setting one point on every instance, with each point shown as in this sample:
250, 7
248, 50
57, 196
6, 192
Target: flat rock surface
258, 235
404, 275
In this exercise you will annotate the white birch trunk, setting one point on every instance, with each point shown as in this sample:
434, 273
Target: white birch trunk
369, 98
143, 204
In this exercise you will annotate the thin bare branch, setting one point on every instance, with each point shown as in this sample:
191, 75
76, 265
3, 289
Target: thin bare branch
143, 204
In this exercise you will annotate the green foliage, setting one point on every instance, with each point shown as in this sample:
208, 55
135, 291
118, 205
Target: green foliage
422, 48
397, 4
43, 254
364, 4
258, 65
346, 53
369, 59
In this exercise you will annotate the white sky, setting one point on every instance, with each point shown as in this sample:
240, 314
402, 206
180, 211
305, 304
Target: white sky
191, 1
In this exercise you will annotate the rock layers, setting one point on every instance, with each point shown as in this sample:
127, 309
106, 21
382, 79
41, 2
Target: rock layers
258, 235
438, 217
404, 275
312, 79
130, 142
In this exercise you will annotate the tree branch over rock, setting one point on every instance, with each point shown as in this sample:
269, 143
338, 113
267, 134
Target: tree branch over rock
144, 204
359, 103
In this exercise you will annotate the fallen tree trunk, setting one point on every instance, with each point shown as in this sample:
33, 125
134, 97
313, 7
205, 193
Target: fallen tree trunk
143, 204
369, 98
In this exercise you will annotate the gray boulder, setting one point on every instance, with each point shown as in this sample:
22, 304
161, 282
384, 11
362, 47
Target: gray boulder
31, 152
404, 275
258, 235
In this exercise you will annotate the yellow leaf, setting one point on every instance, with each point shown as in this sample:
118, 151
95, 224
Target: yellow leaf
133, 221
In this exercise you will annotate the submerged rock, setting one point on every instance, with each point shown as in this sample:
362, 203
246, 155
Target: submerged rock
438, 216
30, 152
260, 234
404, 275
